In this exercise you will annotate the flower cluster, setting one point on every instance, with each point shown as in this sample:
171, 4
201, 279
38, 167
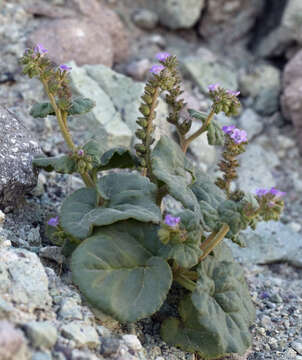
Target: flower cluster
224, 100
54, 221
273, 191
237, 135
171, 220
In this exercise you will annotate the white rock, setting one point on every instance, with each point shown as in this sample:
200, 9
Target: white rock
132, 342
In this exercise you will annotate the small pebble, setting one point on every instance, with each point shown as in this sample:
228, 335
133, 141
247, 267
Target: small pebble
2, 218
145, 19
297, 345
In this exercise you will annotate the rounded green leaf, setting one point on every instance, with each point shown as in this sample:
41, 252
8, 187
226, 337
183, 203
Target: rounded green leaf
118, 157
215, 319
119, 275
128, 196
41, 110
215, 134
63, 164
171, 167
81, 106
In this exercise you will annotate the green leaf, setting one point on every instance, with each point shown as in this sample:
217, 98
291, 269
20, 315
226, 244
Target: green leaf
187, 253
205, 190
118, 157
209, 216
171, 167
41, 110
215, 134
63, 164
95, 149
119, 275
215, 320
80, 106
128, 196
197, 114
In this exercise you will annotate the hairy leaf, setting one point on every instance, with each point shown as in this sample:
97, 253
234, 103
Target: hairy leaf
215, 320
80, 106
187, 253
128, 196
118, 157
197, 114
95, 149
171, 167
63, 164
41, 110
215, 134
118, 273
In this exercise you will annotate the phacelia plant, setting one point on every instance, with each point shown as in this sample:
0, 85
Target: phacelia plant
126, 250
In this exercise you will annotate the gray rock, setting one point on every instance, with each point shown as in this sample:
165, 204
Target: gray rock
297, 345
132, 342
17, 149
125, 95
145, 19
81, 333
41, 334
270, 242
292, 19
208, 71
251, 123
176, 14
138, 69
255, 168
11, 342
226, 22
33, 237
5, 308
23, 279
70, 310
263, 85
39, 355
52, 253
110, 346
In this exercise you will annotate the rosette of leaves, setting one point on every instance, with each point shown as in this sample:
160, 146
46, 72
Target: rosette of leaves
125, 196
117, 269
214, 320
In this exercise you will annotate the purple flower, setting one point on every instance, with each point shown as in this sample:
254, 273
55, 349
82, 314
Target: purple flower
228, 129
261, 192
156, 69
276, 192
39, 49
213, 87
53, 221
162, 56
264, 295
64, 67
234, 93
239, 136
81, 152
171, 220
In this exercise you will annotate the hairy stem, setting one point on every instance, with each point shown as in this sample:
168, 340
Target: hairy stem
147, 169
213, 240
62, 121
185, 282
202, 129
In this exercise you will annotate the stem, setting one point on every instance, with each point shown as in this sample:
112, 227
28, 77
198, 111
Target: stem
186, 283
147, 169
203, 128
213, 240
62, 121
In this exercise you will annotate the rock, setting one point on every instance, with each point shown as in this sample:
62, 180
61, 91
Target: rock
251, 123
52, 253
70, 310
255, 168
117, 101
33, 237
110, 346
292, 70
270, 242
176, 14
17, 149
11, 342
2, 218
145, 19
104, 122
81, 333
275, 43
132, 342
138, 69
23, 280
292, 19
75, 39
41, 334
263, 85
5, 309
297, 345
206, 71
226, 22
39, 355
